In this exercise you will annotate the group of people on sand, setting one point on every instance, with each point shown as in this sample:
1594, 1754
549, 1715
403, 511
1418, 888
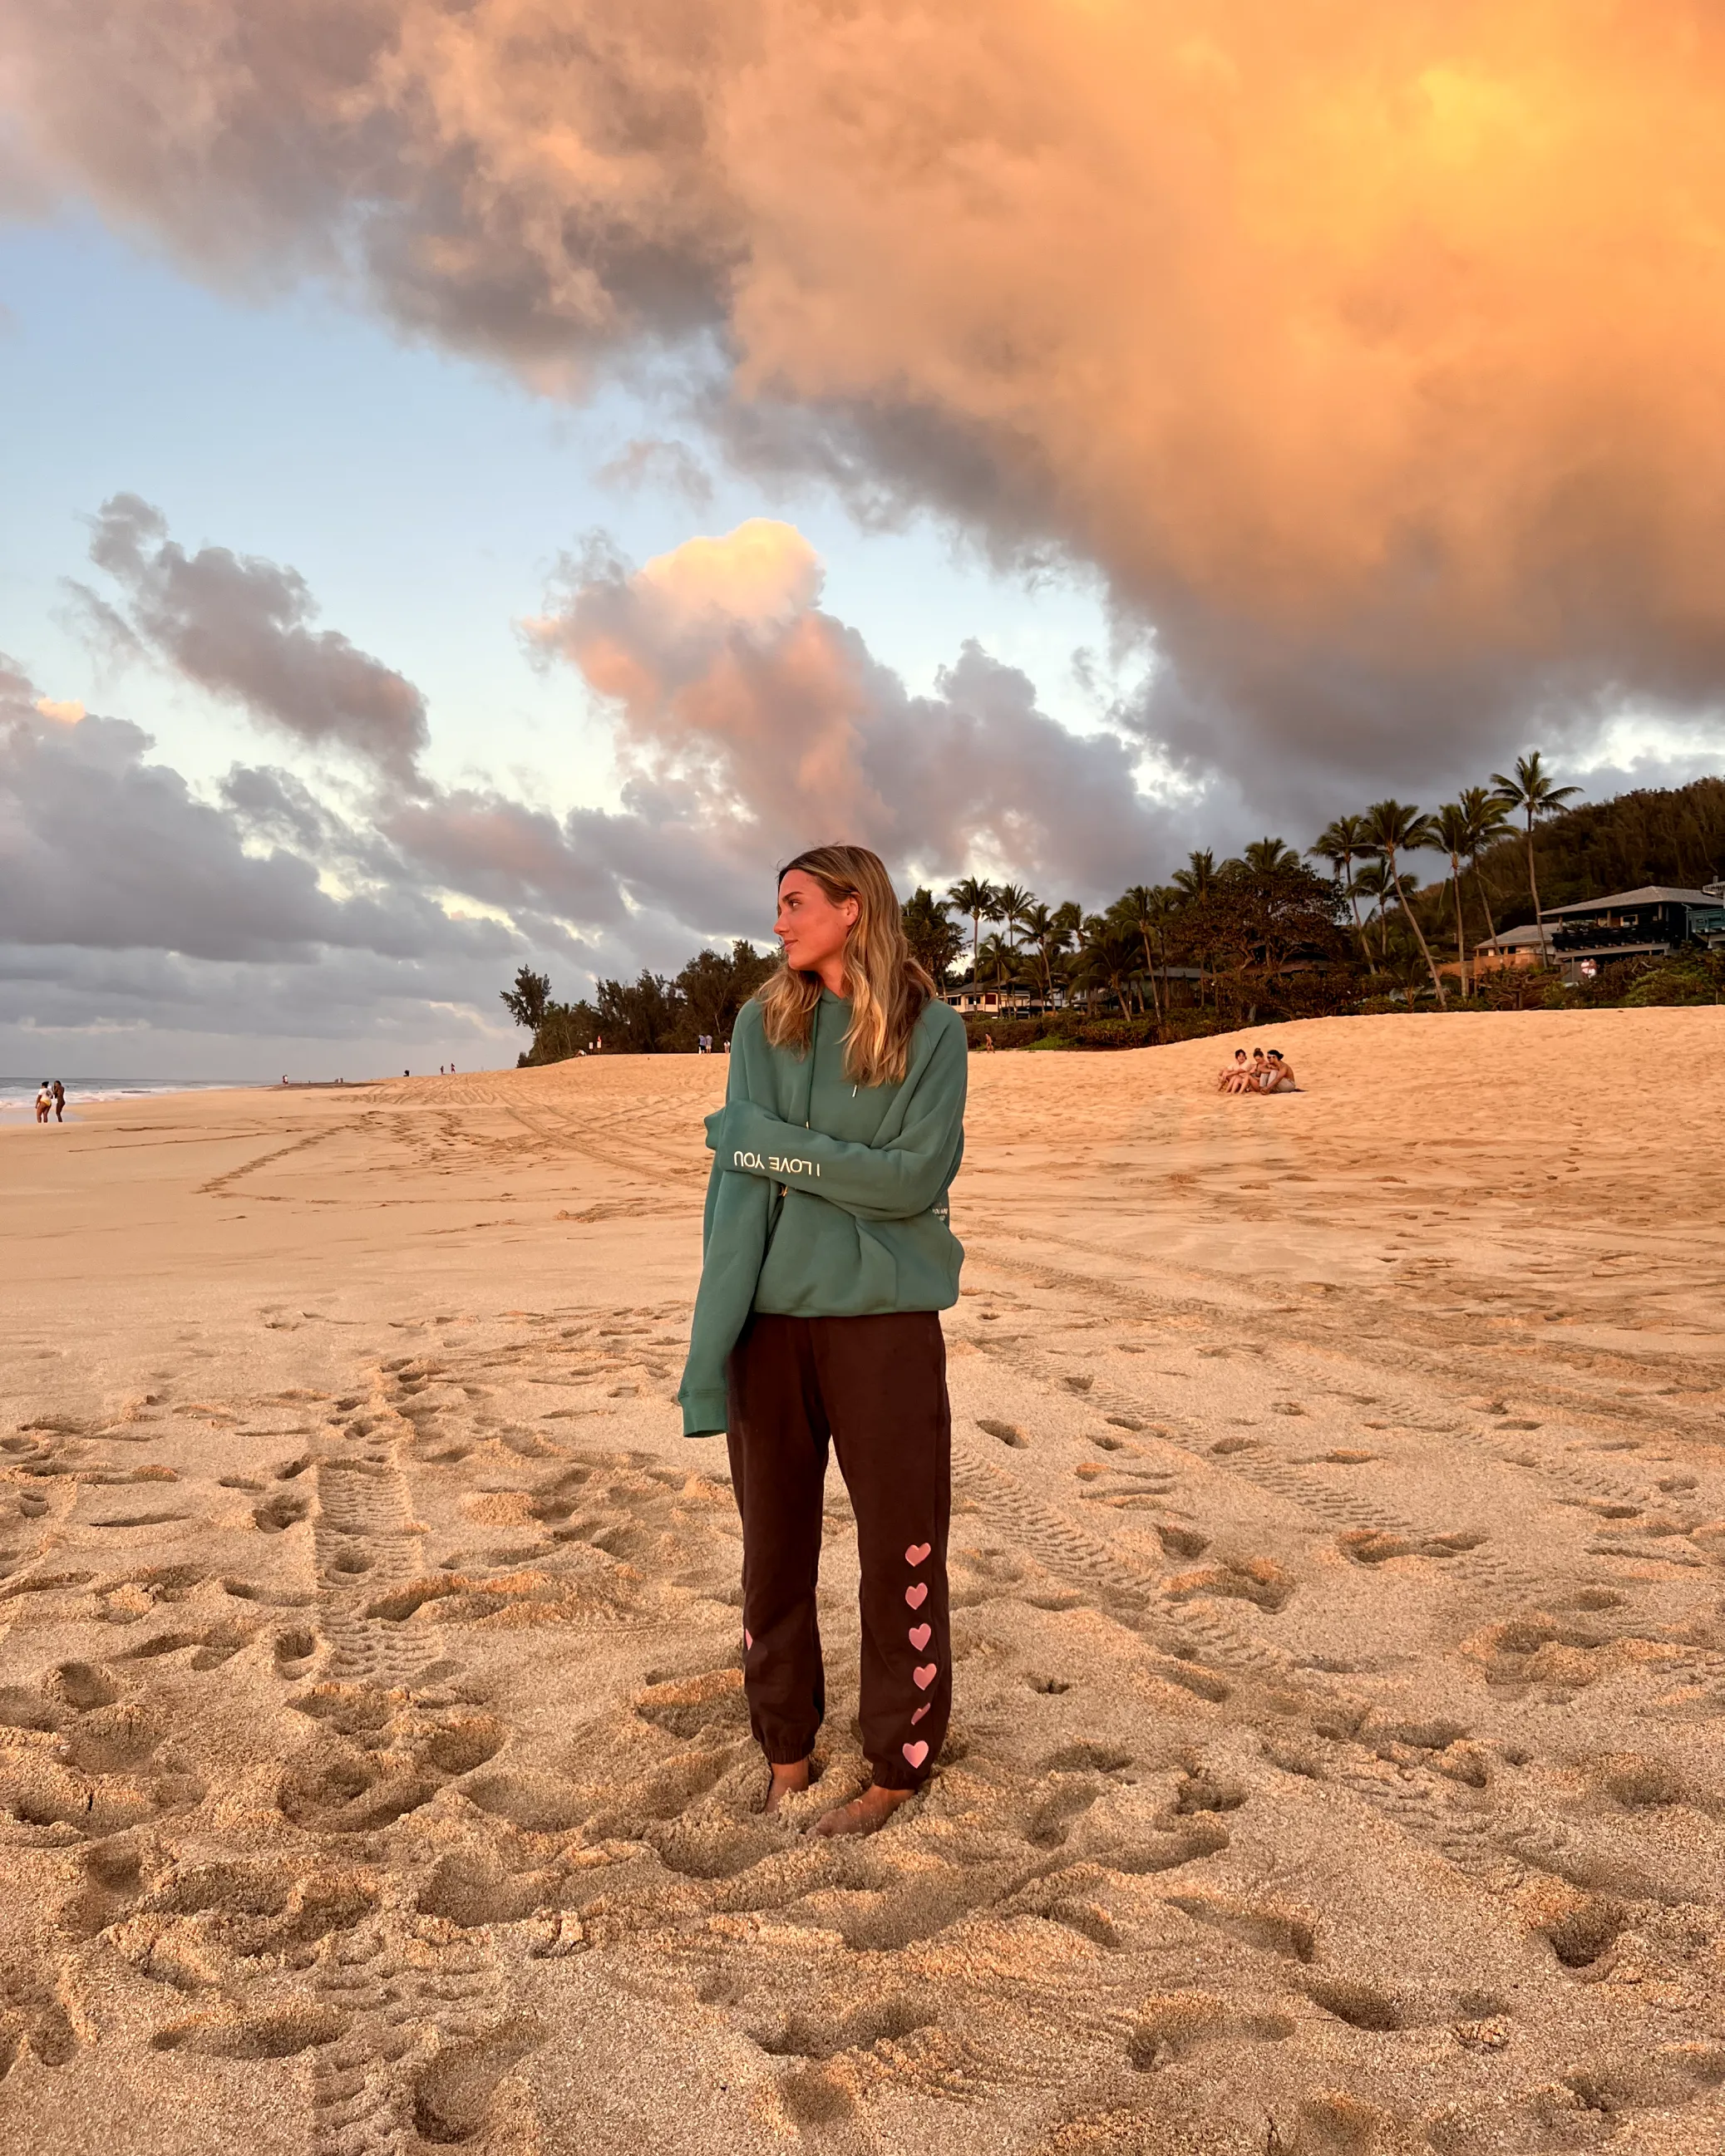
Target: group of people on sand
51, 1100
1267, 1071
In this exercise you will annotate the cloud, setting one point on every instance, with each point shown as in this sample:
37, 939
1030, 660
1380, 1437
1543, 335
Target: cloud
100, 848
750, 723
1369, 350
649, 465
238, 626
747, 721
128, 908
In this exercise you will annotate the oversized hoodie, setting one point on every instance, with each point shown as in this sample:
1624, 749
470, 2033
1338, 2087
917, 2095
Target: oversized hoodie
826, 1199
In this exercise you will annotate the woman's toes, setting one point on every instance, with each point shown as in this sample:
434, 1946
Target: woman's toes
863, 1814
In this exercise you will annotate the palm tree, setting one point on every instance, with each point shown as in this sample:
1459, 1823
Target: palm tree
1393, 828
1038, 924
1452, 828
1143, 911
1199, 876
1340, 843
1374, 886
1265, 856
1486, 816
1531, 794
1195, 881
1014, 903
978, 899
1000, 959
1109, 957
1067, 926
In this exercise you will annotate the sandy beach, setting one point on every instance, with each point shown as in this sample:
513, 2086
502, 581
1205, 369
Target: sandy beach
1338, 1754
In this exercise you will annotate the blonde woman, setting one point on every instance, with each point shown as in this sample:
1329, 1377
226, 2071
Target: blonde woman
828, 1259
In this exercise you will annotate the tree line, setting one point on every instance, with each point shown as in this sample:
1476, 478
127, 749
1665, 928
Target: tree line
1221, 942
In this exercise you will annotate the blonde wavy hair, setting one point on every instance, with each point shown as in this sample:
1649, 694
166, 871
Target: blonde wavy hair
888, 986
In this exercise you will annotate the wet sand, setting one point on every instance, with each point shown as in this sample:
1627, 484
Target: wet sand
1339, 1758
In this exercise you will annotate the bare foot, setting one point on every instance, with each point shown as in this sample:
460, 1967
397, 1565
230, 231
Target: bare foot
865, 1814
787, 1781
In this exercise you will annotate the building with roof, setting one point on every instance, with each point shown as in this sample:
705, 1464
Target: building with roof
1515, 947
1648, 923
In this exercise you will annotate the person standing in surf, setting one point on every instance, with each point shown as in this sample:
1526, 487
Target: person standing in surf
827, 1259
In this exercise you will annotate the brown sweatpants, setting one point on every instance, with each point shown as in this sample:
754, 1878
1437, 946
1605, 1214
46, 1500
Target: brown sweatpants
876, 1388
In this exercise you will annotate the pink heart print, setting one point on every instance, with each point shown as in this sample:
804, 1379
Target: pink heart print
919, 1637
925, 1676
920, 1712
917, 1554
918, 1595
916, 1752
748, 1639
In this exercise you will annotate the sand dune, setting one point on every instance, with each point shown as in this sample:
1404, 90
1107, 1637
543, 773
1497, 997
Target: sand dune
1339, 1758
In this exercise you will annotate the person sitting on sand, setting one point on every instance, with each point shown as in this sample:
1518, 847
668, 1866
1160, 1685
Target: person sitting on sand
1258, 1077
1279, 1077
1232, 1077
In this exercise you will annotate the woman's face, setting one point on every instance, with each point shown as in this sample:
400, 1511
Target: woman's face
812, 929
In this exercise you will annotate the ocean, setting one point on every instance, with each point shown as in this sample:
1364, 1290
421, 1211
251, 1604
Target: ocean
18, 1095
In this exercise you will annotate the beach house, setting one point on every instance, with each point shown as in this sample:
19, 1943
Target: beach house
1648, 923
1515, 947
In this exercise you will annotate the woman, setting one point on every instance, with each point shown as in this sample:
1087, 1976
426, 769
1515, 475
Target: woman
828, 1257
1234, 1077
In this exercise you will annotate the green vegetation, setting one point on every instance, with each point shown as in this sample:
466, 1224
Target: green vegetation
1261, 937
649, 1016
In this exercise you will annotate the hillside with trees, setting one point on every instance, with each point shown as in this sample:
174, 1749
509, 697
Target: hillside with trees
1264, 936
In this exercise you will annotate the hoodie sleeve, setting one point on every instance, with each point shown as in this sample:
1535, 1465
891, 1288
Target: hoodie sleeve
895, 1181
734, 1232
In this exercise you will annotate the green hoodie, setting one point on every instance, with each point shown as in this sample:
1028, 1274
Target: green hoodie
826, 1199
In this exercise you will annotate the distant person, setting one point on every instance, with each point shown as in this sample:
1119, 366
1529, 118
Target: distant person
1234, 1077
60, 1101
45, 1101
407, 1074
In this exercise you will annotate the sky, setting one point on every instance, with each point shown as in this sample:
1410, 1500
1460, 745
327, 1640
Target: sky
486, 495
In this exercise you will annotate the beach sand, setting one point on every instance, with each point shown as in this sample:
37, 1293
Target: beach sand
1338, 1754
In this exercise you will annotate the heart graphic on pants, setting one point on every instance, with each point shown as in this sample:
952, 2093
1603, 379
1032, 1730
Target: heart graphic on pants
916, 1752
919, 1637
920, 1712
917, 1554
925, 1676
918, 1595
748, 1639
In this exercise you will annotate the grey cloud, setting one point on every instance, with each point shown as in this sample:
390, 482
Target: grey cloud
238, 627
749, 722
102, 849
752, 721
649, 463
